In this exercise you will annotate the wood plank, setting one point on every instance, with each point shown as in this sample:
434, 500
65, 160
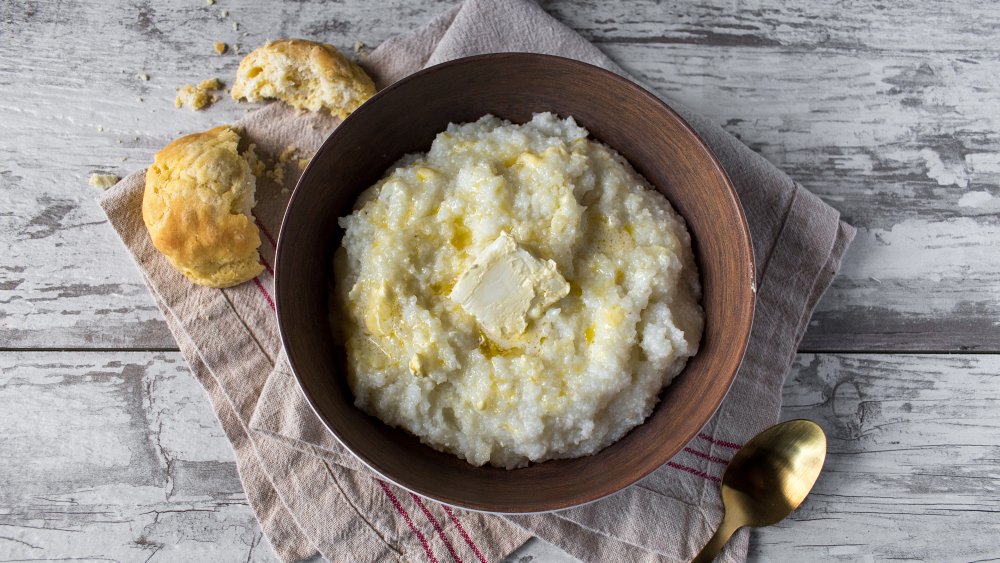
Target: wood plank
904, 145
885, 111
117, 455
912, 472
935, 26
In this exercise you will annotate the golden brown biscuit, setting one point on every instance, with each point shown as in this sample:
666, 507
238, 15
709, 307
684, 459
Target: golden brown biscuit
197, 204
305, 75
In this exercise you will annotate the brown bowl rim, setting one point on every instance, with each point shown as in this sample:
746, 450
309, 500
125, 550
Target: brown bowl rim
542, 506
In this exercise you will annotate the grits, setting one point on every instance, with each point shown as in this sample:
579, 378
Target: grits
615, 314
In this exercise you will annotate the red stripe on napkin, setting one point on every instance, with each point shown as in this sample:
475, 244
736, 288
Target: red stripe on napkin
711, 458
267, 296
693, 471
267, 234
406, 516
465, 535
723, 443
437, 527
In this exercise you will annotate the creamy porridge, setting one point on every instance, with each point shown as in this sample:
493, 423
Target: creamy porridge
518, 293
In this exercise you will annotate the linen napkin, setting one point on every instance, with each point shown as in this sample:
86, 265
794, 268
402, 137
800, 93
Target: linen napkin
310, 495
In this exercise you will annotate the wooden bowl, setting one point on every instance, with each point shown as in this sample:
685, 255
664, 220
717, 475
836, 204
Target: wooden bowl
404, 118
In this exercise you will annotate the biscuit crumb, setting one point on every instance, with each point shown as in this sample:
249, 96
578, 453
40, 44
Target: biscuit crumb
143, 76
140, 99
225, 13
359, 48
124, 158
100, 128
277, 173
102, 181
210, 2
303, 162
220, 47
197, 97
236, 25
260, 167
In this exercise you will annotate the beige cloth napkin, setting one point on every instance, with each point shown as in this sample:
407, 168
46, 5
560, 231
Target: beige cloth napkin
311, 495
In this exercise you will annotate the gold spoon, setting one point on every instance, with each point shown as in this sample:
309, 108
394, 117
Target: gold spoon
767, 479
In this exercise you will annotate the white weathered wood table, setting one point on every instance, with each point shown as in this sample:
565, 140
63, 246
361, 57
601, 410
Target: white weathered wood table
886, 109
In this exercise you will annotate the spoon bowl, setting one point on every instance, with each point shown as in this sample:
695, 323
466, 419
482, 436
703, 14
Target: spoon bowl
768, 478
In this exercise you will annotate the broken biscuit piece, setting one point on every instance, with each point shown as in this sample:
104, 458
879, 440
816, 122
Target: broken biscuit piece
197, 97
304, 74
197, 208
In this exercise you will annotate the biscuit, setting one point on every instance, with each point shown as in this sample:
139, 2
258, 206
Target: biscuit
197, 208
305, 75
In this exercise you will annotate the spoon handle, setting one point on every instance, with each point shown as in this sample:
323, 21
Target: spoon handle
718, 541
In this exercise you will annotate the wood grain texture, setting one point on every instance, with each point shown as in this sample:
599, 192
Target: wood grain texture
912, 469
885, 110
904, 146
117, 456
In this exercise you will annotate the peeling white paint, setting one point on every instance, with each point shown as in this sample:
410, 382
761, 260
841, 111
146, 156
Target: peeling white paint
944, 174
975, 199
953, 262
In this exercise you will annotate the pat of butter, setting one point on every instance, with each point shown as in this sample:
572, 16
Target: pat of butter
506, 286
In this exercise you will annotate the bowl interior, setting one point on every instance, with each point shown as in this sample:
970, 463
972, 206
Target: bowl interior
405, 118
